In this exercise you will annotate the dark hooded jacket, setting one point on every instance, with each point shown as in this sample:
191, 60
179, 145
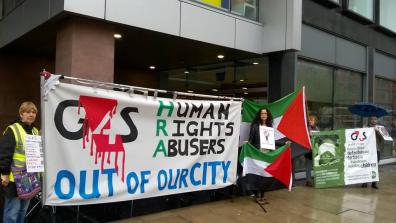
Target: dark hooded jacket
7, 148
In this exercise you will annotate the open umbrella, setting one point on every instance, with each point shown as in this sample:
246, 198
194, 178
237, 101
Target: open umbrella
367, 110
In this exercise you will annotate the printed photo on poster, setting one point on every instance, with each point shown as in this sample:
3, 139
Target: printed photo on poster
267, 138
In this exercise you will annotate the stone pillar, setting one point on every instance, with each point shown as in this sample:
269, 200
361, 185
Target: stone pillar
370, 80
282, 74
85, 49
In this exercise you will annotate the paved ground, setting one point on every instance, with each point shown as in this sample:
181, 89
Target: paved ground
302, 204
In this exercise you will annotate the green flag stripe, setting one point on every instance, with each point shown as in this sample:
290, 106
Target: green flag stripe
248, 150
277, 108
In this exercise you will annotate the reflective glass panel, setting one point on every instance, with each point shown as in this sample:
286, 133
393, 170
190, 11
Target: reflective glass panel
245, 8
224, 4
388, 14
362, 7
242, 78
385, 95
318, 82
348, 90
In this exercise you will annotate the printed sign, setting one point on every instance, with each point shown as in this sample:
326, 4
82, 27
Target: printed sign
344, 157
107, 146
34, 154
267, 138
360, 156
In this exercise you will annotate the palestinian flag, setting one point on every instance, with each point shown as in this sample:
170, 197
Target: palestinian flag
289, 115
276, 163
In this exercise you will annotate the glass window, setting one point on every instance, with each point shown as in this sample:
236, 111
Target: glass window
242, 78
362, 7
385, 95
329, 92
387, 14
9, 5
224, 4
319, 96
245, 8
348, 90
1, 9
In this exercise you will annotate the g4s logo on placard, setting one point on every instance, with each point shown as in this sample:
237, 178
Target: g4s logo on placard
357, 136
96, 128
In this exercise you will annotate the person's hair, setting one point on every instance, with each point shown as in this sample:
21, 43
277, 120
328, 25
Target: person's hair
313, 117
27, 106
258, 120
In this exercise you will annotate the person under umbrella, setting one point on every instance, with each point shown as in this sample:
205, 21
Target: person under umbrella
373, 112
373, 122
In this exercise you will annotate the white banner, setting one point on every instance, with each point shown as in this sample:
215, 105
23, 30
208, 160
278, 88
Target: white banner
360, 163
106, 146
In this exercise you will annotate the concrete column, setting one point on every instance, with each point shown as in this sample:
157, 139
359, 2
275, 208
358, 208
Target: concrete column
282, 73
370, 81
85, 49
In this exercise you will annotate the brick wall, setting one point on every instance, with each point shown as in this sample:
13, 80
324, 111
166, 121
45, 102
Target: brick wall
19, 81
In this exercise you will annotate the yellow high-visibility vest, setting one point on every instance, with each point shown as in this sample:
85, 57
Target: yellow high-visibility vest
19, 158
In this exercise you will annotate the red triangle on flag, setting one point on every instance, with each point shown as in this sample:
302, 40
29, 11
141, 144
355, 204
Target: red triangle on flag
294, 124
281, 168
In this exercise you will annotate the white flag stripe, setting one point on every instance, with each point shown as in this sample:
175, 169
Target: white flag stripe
256, 167
278, 135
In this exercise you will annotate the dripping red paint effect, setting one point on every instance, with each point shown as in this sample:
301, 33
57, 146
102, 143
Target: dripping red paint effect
96, 111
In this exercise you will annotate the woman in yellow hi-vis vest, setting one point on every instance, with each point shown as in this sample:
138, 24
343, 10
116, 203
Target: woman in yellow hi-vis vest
12, 153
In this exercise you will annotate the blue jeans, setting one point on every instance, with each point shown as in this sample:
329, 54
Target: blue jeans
14, 210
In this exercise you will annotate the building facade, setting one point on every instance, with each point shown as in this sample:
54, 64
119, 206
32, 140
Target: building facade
343, 51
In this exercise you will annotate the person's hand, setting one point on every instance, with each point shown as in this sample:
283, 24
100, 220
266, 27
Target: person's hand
288, 143
5, 179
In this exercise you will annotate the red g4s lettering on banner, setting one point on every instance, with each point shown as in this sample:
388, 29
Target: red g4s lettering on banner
96, 128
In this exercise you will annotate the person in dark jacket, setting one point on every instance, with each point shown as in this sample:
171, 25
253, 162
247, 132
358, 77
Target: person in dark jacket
263, 118
312, 126
372, 122
257, 184
15, 208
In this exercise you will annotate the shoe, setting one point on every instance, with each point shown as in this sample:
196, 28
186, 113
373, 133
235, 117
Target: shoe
374, 185
262, 201
309, 184
364, 185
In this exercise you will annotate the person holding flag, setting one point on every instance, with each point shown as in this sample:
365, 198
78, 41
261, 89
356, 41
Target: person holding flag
288, 118
257, 184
